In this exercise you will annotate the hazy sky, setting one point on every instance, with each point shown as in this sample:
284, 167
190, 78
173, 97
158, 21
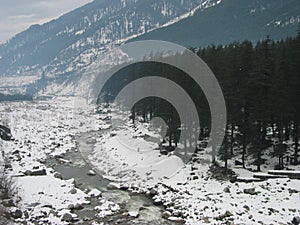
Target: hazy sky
17, 15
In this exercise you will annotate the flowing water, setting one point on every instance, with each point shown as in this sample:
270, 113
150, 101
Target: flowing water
78, 169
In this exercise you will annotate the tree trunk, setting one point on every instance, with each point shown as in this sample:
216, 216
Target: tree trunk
144, 116
296, 129
273, 128
201, 132
133, 116
226, 151
213, 152
244, 152
244, 139
260, 137
287, 132
258, 161
280, 138
231, 139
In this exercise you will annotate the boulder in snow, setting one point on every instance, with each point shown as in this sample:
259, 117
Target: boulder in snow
57, 175
41, 172
67, 217
166, 214
16, 213
250, 191
296, 220
91, 173
95, 193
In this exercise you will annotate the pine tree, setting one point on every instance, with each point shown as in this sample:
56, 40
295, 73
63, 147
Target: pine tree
296, 96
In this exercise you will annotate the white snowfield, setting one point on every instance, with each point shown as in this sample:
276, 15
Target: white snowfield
17, 81
44, 129
47, 128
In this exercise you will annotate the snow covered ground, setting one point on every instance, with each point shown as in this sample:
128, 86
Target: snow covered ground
44, 129
188, 191
125, 155
17, 81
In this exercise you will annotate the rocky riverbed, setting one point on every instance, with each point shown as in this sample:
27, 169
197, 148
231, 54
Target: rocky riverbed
107, 203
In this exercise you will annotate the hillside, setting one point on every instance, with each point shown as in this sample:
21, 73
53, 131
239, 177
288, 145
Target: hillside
74, 40
232, 21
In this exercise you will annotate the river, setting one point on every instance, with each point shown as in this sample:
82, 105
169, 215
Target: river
78, 168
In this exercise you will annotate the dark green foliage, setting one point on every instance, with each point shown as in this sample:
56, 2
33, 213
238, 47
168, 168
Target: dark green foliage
261, 87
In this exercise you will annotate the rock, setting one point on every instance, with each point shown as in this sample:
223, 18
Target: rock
78, 206
58, 157
233, 179
153, 192
71, 206
157, 202
223, 216
26, 214
164, 152
2, 195
296, 220
18, 157
112, 186
166, 214
7, 165
57, 175
226, 190
195, 177
16, 152
73, 191
17, 214
177, 213
91, 173
246, 207
206, 220
133, 214
41, 172
228, 214
67, 217
142, 208
250, 191
27, 172
238, 163
292, 191
5, 133
176, 219
205, 208
124, 188
86, 219
113, 134
48, 206
7, 202
95, 193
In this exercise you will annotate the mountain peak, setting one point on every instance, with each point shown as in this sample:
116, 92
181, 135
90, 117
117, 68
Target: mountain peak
56, 46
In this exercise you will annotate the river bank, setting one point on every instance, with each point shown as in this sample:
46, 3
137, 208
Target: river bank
134, 208
46, 191
54, 183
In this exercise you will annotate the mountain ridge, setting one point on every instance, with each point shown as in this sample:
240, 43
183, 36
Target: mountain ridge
252, 21
58, 52
72, 41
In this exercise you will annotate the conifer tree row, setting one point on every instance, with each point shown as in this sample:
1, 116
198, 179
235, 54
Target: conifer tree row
261, 86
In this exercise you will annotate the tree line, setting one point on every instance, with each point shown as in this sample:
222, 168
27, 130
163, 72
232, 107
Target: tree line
261, 86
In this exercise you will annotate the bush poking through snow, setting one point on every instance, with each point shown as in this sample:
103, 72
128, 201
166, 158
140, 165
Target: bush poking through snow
7, 192
7, 186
